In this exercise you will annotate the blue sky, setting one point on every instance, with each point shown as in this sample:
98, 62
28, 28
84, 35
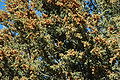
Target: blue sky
2, 8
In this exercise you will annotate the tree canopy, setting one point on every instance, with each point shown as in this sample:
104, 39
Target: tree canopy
64, 42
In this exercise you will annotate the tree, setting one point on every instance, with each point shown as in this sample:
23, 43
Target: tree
64, 43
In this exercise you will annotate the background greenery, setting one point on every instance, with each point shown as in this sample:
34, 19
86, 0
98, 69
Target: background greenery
68, 40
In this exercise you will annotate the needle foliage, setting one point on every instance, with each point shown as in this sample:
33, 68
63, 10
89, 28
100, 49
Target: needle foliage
64, 42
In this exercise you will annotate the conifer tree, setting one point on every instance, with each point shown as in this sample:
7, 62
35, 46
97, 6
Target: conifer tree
64, 42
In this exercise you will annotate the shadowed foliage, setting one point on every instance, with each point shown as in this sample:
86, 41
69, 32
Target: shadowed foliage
65, 43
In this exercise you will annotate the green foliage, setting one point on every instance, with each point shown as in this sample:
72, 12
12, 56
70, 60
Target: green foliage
58, 44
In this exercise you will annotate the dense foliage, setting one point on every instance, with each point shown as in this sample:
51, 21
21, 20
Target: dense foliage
64, 42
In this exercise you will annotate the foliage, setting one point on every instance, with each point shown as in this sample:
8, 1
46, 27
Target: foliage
64, 43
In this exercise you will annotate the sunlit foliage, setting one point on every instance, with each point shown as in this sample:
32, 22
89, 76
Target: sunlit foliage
64, 43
